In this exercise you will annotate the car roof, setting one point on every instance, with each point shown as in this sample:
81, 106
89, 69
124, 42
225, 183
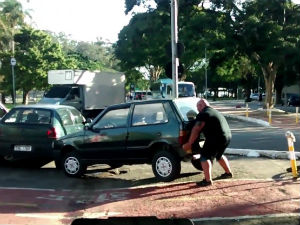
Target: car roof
44, 106
127, 104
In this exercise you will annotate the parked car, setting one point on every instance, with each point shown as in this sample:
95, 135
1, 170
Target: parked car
137, 132
254, 96
294, 100
27, 132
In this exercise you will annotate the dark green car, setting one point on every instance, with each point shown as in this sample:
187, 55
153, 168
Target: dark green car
132, 133
28, 132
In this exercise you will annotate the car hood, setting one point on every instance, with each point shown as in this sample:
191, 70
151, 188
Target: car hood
56, 101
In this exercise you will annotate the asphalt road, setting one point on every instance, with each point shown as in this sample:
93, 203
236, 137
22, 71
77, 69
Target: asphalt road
248, 135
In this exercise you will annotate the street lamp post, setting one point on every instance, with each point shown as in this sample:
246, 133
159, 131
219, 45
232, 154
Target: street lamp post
174, 40
13, 63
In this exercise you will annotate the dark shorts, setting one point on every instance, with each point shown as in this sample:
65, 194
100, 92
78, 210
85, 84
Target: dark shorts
210, 150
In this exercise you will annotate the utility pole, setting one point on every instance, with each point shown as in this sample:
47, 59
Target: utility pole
174, 40
205, 75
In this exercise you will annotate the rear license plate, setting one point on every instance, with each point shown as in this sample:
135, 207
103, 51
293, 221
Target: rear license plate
22, 148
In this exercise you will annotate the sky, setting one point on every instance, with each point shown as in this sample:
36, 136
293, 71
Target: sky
83, 20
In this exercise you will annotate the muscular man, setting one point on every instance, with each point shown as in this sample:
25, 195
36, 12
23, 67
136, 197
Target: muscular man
217, 137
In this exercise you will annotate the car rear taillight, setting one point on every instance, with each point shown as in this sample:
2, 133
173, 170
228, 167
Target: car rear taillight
51, 133
183, 137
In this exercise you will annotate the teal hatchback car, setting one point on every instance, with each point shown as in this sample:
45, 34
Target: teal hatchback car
28, 132
132, 133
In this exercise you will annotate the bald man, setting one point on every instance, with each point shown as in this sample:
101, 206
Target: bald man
217, 137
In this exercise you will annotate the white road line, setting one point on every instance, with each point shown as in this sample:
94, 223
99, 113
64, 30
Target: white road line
59, 216
26, 189
248, 217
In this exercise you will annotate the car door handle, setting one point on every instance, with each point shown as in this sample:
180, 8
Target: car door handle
158, 134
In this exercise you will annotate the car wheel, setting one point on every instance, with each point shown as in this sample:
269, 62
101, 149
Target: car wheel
166, 166
197, 164
73, 166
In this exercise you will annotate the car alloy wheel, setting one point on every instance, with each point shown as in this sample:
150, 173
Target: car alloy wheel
163, 166
166, 166
72, 165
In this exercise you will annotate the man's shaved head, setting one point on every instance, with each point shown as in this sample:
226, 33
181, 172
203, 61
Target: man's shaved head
201, 104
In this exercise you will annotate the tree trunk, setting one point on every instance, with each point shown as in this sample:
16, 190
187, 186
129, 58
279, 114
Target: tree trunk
3, 98
269, 72
155, 72
25, 97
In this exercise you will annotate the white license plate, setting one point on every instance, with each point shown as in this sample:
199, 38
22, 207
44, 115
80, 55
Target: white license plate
22, 148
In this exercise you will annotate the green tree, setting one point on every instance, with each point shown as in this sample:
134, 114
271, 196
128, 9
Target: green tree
36, 53
142, 43
261, 31
11, 19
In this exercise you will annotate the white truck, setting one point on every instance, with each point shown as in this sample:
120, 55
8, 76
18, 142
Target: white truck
89, 92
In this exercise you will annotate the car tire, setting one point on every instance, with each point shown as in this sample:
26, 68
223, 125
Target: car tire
197, 164
73, 165
166, 166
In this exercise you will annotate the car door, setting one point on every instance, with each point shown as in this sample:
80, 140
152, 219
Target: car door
149, 123
106, 139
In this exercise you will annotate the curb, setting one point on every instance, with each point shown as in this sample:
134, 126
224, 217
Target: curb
249, 119
260, 153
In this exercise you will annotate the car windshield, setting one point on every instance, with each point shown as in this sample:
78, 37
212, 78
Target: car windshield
58, 92
186, 90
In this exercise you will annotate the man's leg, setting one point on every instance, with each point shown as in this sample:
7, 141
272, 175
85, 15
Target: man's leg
223, 161
206, 166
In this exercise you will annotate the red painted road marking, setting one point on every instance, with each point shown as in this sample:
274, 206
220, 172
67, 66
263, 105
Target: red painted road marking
224, 199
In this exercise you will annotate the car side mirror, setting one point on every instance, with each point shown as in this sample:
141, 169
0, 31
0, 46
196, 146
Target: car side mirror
87, 121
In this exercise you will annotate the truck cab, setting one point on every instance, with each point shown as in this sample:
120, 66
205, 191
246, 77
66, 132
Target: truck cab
65, 95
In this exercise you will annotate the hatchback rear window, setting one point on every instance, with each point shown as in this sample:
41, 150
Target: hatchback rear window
187, 107
29, 116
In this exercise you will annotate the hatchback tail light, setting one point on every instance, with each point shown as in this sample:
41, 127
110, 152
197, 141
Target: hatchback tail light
51, 133
183, 137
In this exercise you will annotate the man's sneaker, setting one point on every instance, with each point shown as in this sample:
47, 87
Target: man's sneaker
204, 183
225, 176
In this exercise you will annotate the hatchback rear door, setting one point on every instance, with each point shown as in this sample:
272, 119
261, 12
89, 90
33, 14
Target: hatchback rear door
24, 133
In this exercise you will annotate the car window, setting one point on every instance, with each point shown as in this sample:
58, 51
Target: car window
77, 117
12, 116
187, 107
29, 116
65, 116
112, 119
149, 114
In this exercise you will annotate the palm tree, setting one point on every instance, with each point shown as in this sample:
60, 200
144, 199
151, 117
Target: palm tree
11, 18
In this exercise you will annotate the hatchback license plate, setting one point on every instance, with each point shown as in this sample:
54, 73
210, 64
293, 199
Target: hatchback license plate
23, 148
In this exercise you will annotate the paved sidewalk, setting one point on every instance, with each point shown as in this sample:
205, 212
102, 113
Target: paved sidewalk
262, 192
280, 118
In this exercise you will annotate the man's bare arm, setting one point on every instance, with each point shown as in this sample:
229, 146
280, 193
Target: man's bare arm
195, 132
